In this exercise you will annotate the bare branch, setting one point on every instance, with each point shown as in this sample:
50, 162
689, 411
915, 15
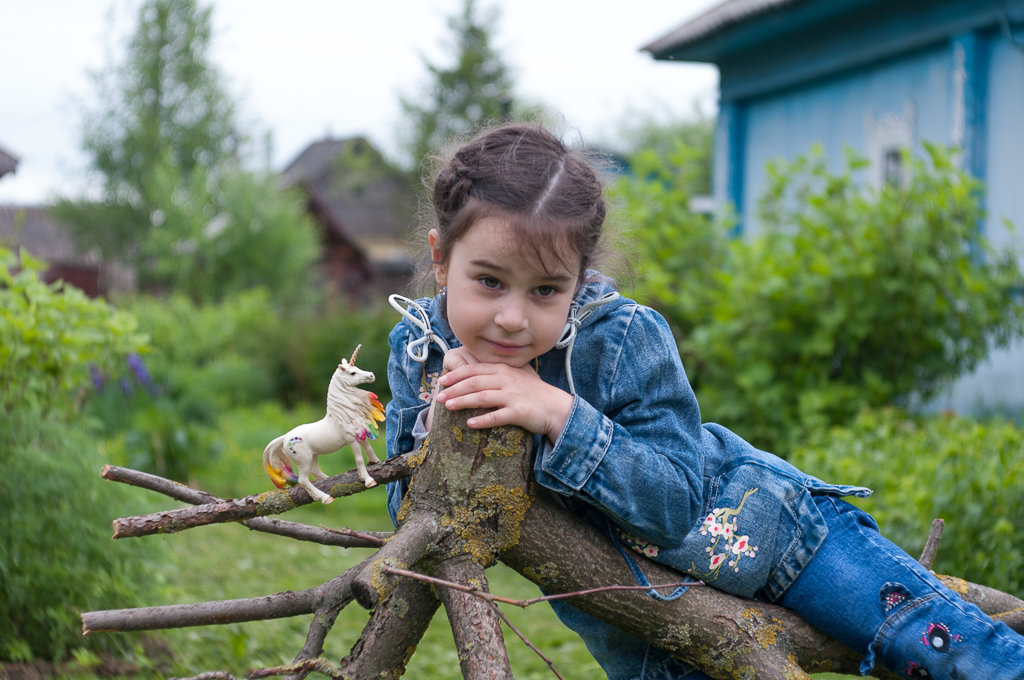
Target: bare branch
409, 544
475, 625
931, 546
526, 641
258, 505
394, 630
322, 666
279, 605
296, 530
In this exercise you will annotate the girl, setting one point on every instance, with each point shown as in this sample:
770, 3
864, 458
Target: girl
546, 343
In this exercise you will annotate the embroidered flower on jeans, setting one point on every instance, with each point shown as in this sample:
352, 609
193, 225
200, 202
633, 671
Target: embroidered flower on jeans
722, 525
427, 384
916, 670
643, 547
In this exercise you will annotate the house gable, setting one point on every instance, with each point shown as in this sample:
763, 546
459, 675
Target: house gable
364, 207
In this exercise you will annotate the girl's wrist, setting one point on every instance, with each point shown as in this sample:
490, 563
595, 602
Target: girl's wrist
558, 411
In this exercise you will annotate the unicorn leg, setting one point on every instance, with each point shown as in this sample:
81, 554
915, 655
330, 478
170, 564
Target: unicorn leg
368, 481
305, 463
314, 471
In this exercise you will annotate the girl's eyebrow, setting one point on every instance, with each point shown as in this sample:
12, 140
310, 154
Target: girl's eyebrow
501, 269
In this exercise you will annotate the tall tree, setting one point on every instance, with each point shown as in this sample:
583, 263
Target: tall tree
166, 148
476, 89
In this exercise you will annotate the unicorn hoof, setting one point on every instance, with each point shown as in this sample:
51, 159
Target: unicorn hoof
326, 500
370, 483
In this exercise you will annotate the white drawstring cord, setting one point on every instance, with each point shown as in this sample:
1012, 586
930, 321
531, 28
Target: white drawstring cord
417, 349
576, 316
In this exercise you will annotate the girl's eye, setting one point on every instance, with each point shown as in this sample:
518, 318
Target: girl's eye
546, 291
490, 282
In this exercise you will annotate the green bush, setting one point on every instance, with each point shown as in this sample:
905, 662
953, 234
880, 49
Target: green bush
969, 473
848, 298
319, 339
204, 358
56, 557
209, 359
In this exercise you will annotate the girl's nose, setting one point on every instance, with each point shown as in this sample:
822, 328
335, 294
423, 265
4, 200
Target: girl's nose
511, 316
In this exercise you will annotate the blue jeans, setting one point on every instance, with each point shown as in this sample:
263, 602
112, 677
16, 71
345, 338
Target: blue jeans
863, 590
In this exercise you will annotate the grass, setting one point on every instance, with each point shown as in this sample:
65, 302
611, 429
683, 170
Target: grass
229, 561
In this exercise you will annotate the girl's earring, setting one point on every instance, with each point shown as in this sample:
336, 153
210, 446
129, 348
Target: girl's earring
444, 291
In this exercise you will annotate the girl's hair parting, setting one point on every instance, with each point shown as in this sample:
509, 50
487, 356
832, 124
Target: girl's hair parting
550, 194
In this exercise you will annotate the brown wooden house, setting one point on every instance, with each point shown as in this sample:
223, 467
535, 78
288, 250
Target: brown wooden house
365, 208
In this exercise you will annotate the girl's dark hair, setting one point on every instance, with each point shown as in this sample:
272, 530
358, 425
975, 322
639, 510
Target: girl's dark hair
551, 196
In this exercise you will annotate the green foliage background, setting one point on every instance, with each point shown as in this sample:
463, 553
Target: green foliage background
847, 298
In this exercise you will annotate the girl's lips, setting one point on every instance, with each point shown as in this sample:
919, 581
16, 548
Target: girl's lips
504, 347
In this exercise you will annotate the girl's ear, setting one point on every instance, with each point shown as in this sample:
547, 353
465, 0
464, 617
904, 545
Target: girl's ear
434, 240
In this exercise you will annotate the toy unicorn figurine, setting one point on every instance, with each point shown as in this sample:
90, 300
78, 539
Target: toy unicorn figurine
351, 419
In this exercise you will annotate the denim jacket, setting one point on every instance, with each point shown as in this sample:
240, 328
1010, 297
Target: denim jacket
635, 457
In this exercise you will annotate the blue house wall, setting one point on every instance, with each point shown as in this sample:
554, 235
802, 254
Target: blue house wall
876, 77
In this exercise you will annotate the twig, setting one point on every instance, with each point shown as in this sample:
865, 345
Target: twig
377, 538
320, 665
549, 662
491, 597
931, 546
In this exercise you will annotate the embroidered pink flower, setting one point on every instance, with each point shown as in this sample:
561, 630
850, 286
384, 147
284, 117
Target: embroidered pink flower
740, 544
716, 561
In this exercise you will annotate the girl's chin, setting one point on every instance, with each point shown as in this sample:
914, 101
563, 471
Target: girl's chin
515, 359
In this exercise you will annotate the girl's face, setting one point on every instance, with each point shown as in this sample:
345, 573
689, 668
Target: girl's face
503, 306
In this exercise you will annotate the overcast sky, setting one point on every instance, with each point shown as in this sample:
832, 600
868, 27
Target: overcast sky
305, 69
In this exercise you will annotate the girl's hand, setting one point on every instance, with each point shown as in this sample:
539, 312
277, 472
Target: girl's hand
516, 396
453, 358
459, 356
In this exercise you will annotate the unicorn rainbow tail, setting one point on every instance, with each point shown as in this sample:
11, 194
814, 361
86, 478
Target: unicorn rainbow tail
278, 467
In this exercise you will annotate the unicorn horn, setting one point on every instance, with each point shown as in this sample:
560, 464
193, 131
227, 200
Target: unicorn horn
352, 361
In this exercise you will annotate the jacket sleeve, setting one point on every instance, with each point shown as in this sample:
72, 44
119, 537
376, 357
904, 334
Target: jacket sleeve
633, 447
404, 377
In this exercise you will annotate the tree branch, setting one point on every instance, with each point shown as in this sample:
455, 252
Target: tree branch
931, 546
303, 532
475, 624
279, 605
395, 628
409, 544
258, 505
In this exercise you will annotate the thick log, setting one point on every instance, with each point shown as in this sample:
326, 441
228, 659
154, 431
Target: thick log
723, 635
